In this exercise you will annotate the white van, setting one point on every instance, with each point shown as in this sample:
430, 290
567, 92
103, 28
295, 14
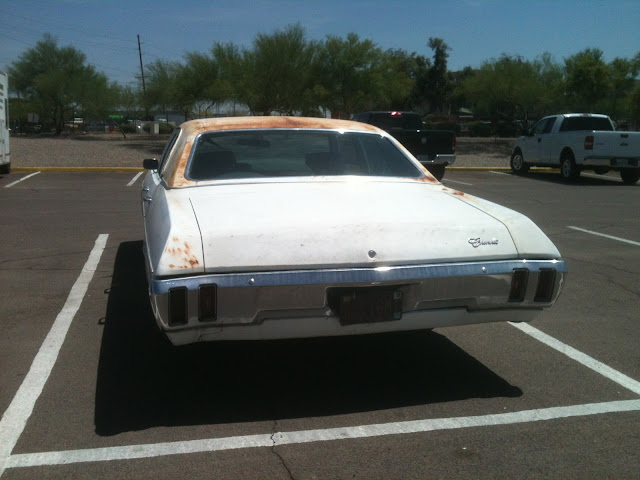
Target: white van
5, 157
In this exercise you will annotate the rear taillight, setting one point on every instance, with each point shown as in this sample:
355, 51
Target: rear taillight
178, 306
519, 281
588, 142
546, 282
208, 303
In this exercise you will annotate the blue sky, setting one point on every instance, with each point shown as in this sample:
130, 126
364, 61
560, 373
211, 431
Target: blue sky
476, 30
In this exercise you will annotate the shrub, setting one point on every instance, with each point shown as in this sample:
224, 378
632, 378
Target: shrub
506, 129
164, 128
479, 129
452, 127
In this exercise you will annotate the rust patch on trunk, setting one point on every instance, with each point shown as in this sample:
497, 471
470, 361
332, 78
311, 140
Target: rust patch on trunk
457, 193
182, 253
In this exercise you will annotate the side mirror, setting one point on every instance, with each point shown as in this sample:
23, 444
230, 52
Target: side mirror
150, 164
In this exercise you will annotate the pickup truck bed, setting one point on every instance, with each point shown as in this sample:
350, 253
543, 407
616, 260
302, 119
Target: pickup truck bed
434, 149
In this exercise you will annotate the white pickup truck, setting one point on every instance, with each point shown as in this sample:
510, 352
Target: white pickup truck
576, 142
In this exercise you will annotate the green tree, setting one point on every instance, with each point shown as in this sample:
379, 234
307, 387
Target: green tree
438, 80
129, 101
161, 83
395, 80
350, 74
587, 78
276, 74
198, 85
419, 97
622, 73
458, 98
634, 107
551, 85
57, 81
508, 88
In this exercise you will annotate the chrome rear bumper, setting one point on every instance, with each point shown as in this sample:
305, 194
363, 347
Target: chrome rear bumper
288, 304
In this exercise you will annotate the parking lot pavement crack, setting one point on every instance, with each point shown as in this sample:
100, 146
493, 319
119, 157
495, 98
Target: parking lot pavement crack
274, 450
602, 265
624, 287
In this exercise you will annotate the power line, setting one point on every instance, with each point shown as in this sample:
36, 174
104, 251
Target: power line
70, 27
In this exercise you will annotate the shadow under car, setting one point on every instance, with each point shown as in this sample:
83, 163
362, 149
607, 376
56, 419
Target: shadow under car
145, 382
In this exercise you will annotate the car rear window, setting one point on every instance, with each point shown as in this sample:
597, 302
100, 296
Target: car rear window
295, 153
572, 124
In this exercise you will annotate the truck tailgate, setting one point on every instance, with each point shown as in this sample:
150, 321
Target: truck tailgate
622, 145
426, 142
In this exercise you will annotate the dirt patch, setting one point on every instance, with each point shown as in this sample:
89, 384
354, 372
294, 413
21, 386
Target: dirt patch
84, 150
112, 150
485, 146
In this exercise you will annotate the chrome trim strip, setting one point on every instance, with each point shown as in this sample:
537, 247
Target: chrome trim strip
631, 162
369, 276
447, 159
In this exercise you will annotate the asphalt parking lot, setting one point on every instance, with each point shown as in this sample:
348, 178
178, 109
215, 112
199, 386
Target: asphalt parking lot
89, 389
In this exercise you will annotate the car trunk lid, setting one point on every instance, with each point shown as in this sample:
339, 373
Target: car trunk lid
329, 224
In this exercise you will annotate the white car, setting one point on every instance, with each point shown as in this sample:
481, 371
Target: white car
288, 227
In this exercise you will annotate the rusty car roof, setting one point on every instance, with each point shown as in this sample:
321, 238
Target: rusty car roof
177, 162
239, 123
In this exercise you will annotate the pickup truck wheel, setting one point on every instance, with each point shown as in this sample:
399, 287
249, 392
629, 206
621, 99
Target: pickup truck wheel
5, 169
517, 163
568, 168
437, 171
630, 176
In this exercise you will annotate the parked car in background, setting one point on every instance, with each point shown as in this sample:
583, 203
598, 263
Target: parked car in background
435, 149
576, 142
285, 227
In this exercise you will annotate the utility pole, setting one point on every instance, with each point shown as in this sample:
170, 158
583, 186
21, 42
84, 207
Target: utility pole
144, 88
144, 91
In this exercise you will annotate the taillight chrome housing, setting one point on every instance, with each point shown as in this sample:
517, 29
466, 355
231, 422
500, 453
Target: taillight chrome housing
544, 288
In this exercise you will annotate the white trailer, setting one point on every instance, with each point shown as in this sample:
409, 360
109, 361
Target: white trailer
5, 157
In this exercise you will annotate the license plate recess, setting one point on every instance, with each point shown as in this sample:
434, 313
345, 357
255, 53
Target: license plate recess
366, 304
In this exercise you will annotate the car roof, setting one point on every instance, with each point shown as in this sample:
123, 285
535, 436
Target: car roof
242, 123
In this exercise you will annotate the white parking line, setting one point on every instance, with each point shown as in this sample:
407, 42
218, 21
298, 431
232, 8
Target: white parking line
133, 180
21, 180
456, 181
17, 414
499, 173
624, 240
321, 435
582, 358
